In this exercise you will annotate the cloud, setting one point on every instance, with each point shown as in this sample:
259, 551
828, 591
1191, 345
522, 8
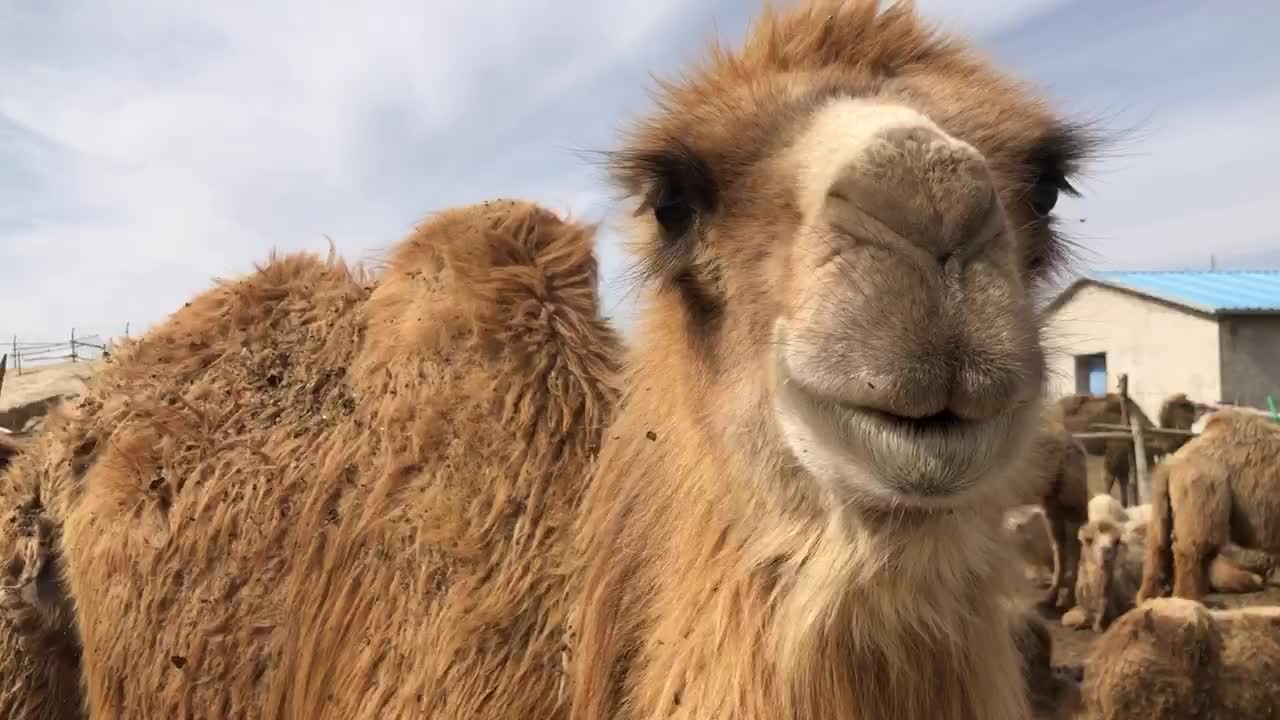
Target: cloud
154, 145
981, 18
1198, 186
1188, 93
146, 147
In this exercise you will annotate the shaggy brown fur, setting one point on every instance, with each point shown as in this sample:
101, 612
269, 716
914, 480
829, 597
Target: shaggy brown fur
303, 499
1221, 488
1176, 412
39, 645
731, 578
1109, 573
1055, 691
306, 499
9, 448
1174, 659
1061, 486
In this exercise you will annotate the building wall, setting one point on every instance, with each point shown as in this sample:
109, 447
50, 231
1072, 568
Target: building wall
1163, 348
1250, 350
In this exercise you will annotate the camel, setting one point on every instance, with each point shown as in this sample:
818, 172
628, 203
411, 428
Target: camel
302, 497
9, 447
1079, 412
1060, 487
1217, 496
1174, 659
1030, 530
1109, 573
1045, 529
1113, 552
296, 466
39, 644
1181, 413
1054, 691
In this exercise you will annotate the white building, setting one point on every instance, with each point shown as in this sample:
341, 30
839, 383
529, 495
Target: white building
1214, 335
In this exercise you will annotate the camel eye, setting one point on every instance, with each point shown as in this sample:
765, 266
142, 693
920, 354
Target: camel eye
1044, 196
673, 211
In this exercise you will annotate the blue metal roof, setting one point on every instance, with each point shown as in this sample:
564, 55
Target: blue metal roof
1211, 291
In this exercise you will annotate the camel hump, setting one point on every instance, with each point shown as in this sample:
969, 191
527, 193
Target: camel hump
511, 267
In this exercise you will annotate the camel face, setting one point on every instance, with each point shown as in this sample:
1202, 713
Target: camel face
884, 382
846, 223
1101, 543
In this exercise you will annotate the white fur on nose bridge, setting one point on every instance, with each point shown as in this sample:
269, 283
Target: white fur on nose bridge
838, 134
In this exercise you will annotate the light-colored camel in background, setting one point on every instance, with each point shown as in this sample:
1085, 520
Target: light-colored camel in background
302, 497
1111, 554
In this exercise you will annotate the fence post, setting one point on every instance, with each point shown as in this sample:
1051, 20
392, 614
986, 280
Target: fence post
73, 346
1139, 461
1126, 483
4, 363
17, 359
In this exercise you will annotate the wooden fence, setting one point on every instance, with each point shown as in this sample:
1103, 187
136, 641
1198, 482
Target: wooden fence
28, 355
1132, 431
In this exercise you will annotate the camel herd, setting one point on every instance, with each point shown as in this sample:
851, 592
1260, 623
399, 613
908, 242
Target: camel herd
1213, 525
450, 490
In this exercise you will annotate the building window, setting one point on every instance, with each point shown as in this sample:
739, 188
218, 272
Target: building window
1091, 374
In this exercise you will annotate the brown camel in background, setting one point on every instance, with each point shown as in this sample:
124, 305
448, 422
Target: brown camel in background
1217, 497
1080, 412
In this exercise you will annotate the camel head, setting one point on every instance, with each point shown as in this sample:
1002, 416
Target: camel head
842, 226
1179, 411
1100, 543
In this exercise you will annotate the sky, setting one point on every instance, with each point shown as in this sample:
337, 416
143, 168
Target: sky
149, 146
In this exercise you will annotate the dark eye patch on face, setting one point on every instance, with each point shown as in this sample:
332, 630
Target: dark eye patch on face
677, 187
1055, 158
1052, 161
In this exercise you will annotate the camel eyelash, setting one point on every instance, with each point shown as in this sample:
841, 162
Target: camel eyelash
1062, 151
659, 176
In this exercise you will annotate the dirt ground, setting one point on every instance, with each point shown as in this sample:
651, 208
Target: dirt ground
42, 381
25, 396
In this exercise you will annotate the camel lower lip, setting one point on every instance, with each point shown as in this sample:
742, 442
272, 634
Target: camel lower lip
940, 438
927, 460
